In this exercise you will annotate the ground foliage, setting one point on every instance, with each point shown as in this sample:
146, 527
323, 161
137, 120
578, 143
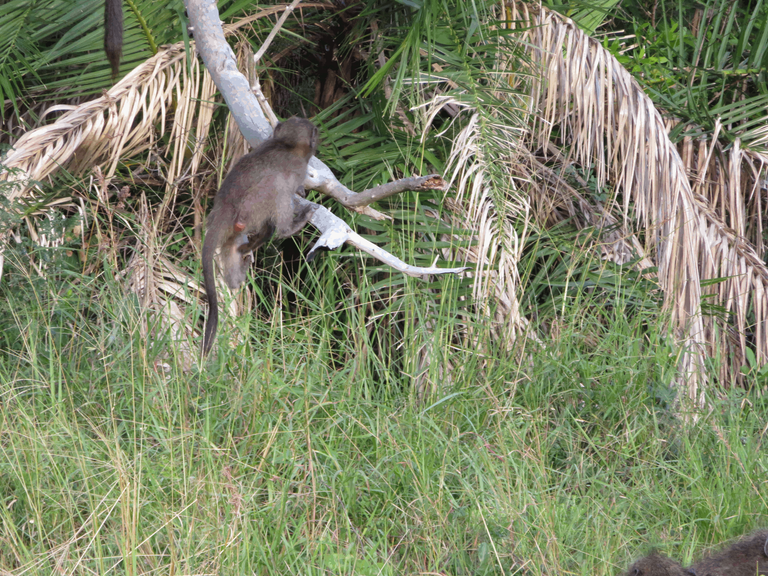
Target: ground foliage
277, 458
357, 422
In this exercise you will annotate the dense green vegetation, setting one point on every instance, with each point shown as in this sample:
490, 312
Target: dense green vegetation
299, 452
359, 421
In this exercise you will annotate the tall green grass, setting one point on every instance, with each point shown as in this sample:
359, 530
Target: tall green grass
298, 451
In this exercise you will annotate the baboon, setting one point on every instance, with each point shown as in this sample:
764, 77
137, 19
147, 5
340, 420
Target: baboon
657, 565
256, 200
747, 557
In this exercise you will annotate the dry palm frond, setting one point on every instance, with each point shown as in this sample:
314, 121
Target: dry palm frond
611, 124
499, 246
485, 155
121, 124
85, 136
724, 186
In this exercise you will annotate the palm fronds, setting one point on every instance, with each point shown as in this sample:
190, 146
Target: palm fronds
120, 123
612, 126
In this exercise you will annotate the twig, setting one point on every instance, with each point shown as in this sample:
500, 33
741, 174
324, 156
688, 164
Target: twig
274, 32
265, 107
335, 232
431, 182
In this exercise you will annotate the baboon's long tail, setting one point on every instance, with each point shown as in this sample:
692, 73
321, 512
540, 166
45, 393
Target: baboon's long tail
209, 248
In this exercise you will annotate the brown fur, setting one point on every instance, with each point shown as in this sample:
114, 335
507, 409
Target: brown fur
256, 200
657, 565
113, 33
747, 557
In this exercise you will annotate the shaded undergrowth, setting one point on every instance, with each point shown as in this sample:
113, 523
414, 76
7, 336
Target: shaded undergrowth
295, 451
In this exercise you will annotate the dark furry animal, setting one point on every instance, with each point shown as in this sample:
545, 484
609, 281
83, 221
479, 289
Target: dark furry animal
747, 557
256, 199
657, 565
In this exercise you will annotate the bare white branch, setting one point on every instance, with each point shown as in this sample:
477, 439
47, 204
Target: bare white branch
335, 232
